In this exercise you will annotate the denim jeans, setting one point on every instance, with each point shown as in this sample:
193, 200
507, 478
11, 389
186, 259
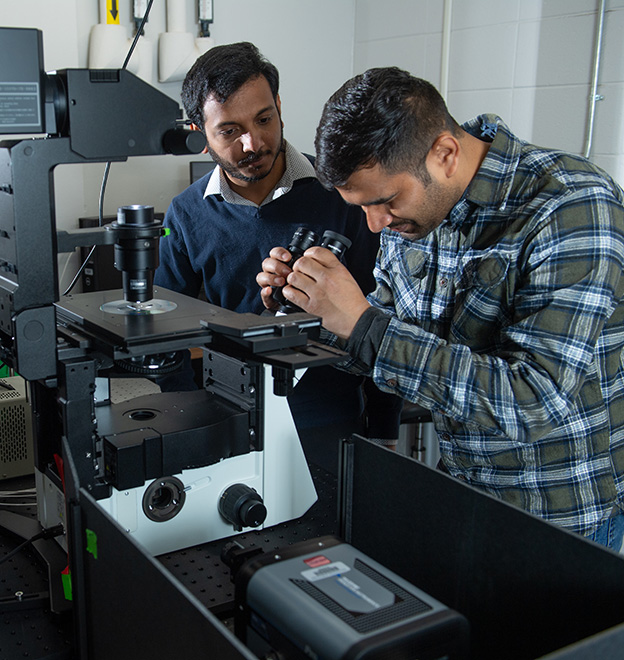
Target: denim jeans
610, 533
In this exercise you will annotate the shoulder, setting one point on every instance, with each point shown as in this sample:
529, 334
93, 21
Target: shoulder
561, 180
571, 170
309, 193
192, 198
192, 195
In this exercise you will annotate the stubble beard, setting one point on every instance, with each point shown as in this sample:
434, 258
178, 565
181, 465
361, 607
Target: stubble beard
234, 172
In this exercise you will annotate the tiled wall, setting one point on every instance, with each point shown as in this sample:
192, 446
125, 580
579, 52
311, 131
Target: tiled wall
530, 61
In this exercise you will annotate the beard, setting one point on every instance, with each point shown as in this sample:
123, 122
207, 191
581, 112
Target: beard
437, 205
233, 170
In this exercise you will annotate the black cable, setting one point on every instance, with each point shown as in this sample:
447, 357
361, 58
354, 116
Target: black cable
100, 223
139, 32
49, 533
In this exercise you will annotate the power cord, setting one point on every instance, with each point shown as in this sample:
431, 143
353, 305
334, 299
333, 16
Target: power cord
49, 533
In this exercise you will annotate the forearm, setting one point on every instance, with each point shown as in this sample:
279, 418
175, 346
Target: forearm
363, 344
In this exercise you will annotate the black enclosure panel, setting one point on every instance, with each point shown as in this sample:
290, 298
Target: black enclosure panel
135, 608
526, 587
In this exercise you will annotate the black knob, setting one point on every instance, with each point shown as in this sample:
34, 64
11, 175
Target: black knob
242, 506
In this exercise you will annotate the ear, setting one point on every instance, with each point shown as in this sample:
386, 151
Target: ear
195, 127
278, 105
444, 154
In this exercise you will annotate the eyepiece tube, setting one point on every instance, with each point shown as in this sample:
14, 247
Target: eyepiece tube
335, 242
302, 239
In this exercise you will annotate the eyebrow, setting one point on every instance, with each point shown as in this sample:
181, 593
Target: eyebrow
235, 123
376, 202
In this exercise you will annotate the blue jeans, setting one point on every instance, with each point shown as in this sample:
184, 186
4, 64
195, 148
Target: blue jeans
610, 533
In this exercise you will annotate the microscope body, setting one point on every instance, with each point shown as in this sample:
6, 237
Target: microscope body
157, 468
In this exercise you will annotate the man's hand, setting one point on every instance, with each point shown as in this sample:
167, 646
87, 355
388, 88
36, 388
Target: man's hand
275, 270
320, 285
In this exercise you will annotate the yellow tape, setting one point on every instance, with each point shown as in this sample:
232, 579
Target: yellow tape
112, 12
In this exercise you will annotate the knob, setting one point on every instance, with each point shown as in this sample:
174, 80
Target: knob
242, 506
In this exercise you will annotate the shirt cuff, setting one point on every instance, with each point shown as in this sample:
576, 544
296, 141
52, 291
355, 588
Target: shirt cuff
367, 335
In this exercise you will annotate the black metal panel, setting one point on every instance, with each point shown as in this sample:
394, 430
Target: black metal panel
123, 585
282, 341
527, 587
604, 645
163, 434
75, 398
120, 101
191, 317
34, 334
33, 162
31, 284
7, 242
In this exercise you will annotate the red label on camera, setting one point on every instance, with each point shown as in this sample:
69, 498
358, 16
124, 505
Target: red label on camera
319, 560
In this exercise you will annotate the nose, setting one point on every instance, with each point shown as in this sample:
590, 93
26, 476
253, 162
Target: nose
377, 217
251, 141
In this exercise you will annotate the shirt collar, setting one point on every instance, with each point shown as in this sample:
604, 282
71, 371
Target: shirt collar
297, 167
492, 184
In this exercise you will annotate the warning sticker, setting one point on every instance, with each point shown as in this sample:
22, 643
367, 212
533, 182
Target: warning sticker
327, 571
19, 105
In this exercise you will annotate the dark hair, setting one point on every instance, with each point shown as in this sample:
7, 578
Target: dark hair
222, 71
384, 116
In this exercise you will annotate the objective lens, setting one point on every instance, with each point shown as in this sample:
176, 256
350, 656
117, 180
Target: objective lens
136, 252
136, 256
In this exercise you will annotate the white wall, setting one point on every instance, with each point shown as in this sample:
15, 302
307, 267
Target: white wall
530, 61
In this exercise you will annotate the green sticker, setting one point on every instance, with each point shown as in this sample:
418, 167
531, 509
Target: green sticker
167, 231
67, 584
91, 542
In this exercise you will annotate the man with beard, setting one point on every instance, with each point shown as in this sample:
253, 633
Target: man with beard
260, 192
499, 301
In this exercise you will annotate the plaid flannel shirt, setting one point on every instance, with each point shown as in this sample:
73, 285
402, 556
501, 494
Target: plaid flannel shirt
507, 322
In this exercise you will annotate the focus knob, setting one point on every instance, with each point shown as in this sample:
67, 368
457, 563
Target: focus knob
242, 506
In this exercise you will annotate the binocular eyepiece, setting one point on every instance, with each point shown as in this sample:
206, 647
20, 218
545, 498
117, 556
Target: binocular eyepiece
303, 239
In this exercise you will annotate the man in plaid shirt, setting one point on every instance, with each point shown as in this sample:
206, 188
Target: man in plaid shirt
498, 304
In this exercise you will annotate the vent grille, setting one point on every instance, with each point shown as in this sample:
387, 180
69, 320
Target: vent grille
13, 437
16, 429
